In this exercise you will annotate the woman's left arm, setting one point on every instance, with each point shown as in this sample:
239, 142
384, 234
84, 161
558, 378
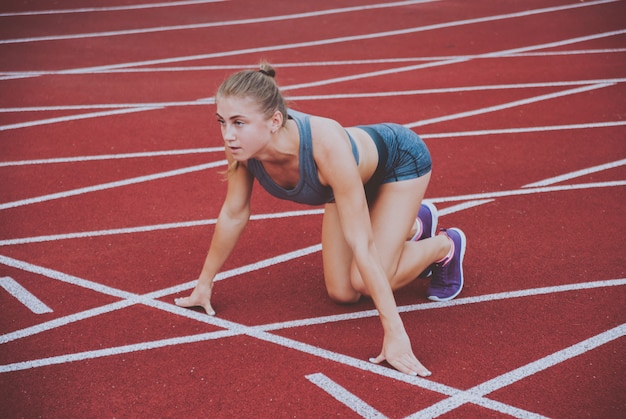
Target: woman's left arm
338, 168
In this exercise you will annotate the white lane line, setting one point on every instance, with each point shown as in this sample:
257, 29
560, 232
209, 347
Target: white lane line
476, 394
143, 346
507, 105
24, 296
109, 8
205, 25
344, 396
606, 124
111, 185
362, 37
68, 279
500, 296
20, 74
65, 320
529, 191
79, 159
150, 228
394, 93
577, 173
75, 117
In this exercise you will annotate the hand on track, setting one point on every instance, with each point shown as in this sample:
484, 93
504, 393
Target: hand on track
398, 353
200, 297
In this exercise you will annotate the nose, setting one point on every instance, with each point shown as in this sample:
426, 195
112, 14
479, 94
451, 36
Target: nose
228, 134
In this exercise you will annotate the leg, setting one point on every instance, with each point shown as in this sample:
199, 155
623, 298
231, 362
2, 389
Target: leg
393, 215
337, 259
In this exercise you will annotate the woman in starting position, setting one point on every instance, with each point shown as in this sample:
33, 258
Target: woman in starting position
371, 179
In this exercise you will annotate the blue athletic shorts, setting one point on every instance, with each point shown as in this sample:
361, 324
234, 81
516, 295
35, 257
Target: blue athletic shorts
402, 155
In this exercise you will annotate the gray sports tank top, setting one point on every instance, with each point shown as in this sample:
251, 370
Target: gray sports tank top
309, 190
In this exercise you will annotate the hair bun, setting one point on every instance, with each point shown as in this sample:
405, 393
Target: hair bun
267, 69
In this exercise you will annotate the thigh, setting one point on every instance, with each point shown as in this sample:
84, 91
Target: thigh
337, 258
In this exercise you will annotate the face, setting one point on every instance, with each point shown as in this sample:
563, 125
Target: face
245, 129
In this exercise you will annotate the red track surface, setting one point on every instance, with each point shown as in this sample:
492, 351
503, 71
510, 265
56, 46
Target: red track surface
508, 96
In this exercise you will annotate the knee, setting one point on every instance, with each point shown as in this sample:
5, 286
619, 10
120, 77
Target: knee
348, 296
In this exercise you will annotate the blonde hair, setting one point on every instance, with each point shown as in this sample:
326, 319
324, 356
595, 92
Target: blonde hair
259, 85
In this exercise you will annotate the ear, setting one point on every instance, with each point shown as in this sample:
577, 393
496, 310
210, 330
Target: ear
277, 121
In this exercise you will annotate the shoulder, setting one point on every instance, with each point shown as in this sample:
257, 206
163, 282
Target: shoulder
327, 134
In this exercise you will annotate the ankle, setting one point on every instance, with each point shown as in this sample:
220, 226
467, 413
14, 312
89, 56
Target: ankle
448, 248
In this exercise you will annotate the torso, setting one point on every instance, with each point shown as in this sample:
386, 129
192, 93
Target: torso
287, 173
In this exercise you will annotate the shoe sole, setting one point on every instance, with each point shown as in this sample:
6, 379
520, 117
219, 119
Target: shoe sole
461, 257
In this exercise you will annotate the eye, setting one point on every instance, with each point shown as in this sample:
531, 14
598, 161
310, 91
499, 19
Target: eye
220, 121
239, 123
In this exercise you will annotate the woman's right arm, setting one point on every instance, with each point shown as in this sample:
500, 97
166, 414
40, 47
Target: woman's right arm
231, 222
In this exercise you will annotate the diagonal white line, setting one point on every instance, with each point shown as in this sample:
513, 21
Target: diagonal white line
476, 394
111, 156
605, 124
75, 117
508, 105
577, 173
110, 185
529, 191
24, 296
344, 396
99, 353
109, 8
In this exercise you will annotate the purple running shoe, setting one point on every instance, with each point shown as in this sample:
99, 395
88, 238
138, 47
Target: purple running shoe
447, 279
427, 218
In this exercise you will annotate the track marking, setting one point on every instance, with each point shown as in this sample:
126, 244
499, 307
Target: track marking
112, 156
150, 228
24, 296
577, 173
529, 191
394, 93
75, 117
99, 353
109, 8
471, 203
606, 124
111, 185
235, 328
324, 82
344, 396
32, 73
214, 24
358, 38
507, 105
518, 374
485, 197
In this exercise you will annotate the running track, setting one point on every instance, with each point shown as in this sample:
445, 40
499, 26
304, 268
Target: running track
111, 161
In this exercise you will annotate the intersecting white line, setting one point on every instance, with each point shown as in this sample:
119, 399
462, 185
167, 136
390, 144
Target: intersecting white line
259, 333
476, 394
